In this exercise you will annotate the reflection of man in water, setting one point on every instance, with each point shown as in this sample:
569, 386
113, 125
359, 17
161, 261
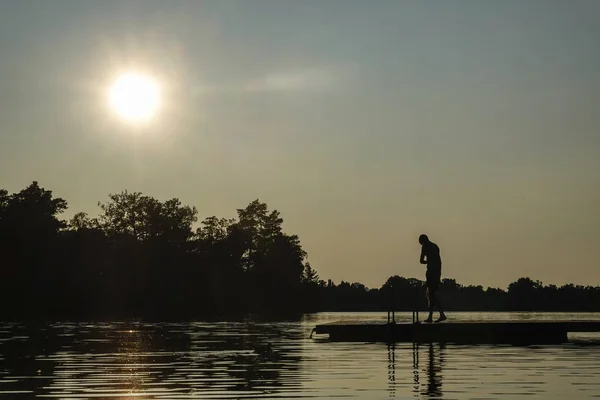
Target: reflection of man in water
433, 387
430, 255
434, 372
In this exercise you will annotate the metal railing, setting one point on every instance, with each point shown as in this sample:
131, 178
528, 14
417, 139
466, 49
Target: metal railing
391, 314
415, 313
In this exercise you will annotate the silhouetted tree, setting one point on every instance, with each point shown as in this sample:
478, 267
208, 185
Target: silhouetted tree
29, 229
142, 257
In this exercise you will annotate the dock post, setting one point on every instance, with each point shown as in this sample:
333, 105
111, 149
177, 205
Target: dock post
391, 307
415, 313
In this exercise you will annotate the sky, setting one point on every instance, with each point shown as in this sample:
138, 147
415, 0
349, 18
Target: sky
364, 123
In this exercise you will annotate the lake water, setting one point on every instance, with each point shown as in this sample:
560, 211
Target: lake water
229, 360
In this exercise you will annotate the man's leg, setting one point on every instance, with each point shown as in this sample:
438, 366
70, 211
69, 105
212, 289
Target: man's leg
439, 307
430, 300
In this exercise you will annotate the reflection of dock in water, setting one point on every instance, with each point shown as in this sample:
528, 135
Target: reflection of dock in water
416, 367
392, 369
432, 387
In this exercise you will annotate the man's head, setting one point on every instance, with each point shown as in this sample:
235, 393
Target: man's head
423, 239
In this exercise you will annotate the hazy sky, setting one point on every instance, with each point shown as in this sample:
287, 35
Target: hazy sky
365, 123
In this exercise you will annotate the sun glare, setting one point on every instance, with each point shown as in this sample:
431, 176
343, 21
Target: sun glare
134, 97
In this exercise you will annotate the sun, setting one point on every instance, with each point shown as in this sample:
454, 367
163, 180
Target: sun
135, 96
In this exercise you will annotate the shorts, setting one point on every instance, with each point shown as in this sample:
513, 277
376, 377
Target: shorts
433, 278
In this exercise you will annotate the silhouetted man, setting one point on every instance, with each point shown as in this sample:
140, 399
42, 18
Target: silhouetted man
430, 255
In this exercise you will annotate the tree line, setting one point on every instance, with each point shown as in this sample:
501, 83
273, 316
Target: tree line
144, 258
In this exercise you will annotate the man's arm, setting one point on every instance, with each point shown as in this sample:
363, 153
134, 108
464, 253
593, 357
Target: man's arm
422, 260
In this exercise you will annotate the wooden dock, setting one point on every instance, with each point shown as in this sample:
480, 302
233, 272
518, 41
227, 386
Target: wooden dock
467, 332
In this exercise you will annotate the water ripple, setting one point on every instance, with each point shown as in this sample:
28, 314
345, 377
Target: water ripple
232, 360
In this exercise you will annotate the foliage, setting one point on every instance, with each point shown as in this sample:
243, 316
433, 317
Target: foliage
144, 258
